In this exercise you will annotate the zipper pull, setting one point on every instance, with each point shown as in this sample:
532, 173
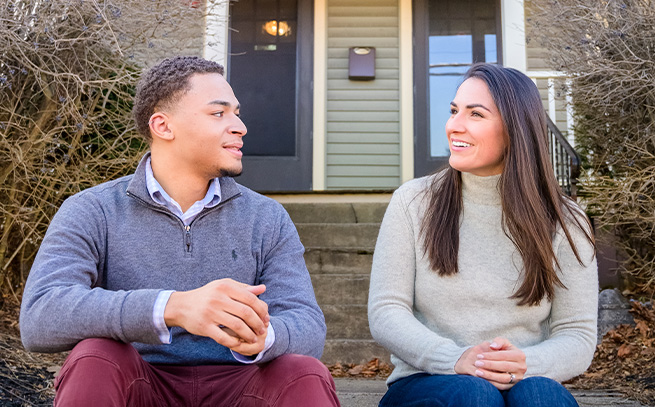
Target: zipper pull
188, 237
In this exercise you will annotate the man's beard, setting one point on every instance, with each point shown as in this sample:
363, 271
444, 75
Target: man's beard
229, 173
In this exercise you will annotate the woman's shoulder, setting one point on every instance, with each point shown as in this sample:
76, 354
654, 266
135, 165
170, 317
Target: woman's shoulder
419, 186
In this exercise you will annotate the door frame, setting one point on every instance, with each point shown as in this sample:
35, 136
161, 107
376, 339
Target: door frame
289, 173
424, 162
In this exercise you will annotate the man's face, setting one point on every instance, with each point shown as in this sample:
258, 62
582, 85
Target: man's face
207, 128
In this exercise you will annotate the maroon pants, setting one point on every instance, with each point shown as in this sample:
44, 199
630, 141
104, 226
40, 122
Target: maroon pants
103, 372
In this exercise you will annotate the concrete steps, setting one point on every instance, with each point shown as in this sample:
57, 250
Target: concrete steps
336, 212
339, 238
338, 235
339, 260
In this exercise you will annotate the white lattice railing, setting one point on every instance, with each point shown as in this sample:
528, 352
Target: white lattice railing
564, 158
551, 108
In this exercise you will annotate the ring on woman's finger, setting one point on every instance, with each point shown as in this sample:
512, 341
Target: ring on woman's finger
512, 376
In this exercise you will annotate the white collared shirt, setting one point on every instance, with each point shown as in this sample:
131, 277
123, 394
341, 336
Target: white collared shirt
157, 193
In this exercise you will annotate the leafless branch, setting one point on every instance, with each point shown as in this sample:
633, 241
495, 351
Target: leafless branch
67, 74
607, 47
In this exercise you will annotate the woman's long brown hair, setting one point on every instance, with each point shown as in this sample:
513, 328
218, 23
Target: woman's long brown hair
532, 202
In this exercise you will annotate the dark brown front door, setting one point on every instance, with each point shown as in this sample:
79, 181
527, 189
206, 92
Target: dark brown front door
270, 70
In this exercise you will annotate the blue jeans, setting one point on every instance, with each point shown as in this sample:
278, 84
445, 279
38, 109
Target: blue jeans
425, 390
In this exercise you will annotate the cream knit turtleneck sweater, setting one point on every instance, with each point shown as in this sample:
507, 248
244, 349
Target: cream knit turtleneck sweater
427, 321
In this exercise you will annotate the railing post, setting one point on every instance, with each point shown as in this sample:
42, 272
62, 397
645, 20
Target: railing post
564, 159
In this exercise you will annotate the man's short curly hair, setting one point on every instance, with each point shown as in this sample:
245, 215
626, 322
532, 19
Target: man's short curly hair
165, 82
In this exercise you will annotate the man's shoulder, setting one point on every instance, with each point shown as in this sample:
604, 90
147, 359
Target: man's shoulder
257, 207
90, 206
104, 192
258, 200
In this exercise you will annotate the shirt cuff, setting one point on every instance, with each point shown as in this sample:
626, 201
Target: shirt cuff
270, 339
158, 316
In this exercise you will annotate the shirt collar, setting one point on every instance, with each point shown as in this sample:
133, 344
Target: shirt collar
157, 193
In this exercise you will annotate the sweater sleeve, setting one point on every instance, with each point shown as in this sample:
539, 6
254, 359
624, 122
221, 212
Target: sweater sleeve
392, 321
295, 315
64, 302
569, 349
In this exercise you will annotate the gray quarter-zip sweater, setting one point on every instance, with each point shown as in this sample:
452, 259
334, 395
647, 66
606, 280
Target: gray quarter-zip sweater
111, 249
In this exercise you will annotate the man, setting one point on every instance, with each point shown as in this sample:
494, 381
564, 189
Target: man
176, 285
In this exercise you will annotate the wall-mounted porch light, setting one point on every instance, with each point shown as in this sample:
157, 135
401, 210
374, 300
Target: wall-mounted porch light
277, 28
361, 63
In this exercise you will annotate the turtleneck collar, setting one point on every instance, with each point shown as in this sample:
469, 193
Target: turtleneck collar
481, 190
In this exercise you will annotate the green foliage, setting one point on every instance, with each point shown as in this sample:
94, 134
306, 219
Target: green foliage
607, 48
68, 70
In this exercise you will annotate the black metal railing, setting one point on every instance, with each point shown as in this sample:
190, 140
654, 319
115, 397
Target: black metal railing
565, 160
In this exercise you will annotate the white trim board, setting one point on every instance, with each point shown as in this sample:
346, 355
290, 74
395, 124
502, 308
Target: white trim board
513, 26
320, 95
216, 31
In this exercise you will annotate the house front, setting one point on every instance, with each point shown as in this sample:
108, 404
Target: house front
353, 95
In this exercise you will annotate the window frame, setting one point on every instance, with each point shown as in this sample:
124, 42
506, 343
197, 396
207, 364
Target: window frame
424, 162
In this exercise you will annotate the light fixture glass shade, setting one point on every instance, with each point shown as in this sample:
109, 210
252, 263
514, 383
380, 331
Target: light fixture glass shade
279, 28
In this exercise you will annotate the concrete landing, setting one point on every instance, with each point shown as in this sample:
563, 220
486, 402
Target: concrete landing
367, 393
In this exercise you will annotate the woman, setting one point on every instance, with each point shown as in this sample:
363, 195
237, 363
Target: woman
484, 281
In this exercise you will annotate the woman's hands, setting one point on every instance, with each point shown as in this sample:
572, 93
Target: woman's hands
499, 362
466, 362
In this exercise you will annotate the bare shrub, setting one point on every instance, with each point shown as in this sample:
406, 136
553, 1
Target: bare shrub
607, 47
67, 75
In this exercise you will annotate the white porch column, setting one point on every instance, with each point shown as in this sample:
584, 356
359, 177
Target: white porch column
406, 91
216, 32
513, 23
320, 95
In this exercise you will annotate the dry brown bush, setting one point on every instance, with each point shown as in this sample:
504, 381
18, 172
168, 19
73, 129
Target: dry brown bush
607, 48
67, 75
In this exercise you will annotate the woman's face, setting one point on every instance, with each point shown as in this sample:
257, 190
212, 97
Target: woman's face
475, 131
